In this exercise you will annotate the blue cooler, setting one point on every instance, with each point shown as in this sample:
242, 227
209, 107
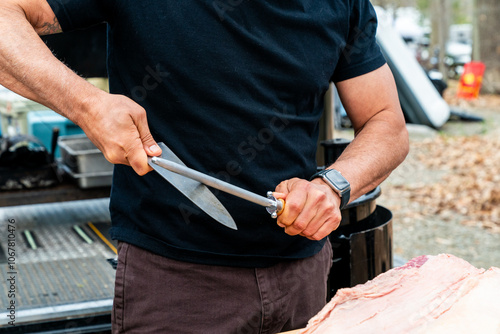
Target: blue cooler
41, 124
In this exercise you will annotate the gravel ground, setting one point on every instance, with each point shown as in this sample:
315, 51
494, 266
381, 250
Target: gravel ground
418, 229
419, 226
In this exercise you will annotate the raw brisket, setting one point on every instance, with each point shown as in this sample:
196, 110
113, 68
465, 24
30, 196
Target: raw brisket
429, 294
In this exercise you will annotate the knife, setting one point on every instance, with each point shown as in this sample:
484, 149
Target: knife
274, 206
197, 192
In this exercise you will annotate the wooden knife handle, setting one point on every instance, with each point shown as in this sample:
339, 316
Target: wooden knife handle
282, 207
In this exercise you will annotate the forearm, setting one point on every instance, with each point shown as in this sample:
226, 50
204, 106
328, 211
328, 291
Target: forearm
114, 123
375, 152
381, 141
29, 68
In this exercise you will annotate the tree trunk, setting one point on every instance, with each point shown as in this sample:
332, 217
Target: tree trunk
487, 43
440, 10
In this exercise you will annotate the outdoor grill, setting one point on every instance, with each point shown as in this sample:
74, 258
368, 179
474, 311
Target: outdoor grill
362, 245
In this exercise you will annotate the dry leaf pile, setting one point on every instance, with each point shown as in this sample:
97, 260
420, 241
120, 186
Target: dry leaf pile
468, 181
485, 101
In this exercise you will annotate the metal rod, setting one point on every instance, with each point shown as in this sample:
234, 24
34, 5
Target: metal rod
213, 182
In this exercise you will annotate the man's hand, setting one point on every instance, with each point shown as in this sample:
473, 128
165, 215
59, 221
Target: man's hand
380, 145
118, 127
311, 209
115, 124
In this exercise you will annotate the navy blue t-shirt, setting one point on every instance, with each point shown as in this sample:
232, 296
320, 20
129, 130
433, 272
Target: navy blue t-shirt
235, 89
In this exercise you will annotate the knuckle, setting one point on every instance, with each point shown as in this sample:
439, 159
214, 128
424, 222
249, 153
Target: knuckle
285, 220
141, 171
139, 167
300, 225
112, 157
141, 115
279, 187
321, 196
146, 137
336, 216
330, 211
307, 233
282, 184
293, 207
136, 112
291, 231
334, 223
132, 148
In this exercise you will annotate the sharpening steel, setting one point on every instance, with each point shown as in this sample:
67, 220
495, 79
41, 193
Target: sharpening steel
274, 206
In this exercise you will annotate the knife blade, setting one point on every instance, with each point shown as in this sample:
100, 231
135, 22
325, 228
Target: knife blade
195, 191
274, 206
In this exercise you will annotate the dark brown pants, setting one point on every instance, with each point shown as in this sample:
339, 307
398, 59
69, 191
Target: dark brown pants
158, 295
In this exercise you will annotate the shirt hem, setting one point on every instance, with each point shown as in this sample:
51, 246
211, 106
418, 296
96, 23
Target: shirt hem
202, 257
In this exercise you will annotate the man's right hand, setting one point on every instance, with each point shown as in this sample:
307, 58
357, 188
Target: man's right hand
114, 123
118, 127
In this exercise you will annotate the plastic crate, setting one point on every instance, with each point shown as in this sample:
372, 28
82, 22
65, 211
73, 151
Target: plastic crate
83, 161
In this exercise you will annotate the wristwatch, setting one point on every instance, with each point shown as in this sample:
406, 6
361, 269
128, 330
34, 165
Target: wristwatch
337, 182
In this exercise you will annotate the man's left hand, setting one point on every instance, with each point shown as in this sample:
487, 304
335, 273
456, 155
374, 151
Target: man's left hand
311, 209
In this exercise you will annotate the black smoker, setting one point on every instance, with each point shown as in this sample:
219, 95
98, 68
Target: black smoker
362, 245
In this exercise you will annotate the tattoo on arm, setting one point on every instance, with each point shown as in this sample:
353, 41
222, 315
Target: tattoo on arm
49, 28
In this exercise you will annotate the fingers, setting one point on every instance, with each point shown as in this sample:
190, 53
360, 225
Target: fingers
149, 144
311, 209
121, 132
138, 159
144, 147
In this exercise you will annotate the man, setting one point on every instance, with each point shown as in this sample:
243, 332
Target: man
235, 89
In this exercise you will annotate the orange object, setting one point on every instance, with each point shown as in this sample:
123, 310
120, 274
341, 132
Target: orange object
471, 80
282, 207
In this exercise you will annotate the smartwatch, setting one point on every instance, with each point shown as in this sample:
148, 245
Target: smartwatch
337, 182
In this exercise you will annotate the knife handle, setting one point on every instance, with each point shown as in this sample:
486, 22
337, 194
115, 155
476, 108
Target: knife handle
280, 211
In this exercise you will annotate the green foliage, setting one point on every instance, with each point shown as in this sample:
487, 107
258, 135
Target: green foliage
423, 5
460, 14
460, 9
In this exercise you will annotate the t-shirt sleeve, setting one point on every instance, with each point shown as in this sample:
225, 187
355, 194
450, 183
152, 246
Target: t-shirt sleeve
361, 53
79, 14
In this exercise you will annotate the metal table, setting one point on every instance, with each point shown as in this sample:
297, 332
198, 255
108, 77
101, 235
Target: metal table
61, 267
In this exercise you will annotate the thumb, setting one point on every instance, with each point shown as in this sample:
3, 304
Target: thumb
151, 147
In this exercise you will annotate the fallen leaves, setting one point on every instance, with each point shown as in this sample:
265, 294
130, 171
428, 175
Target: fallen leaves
468, 182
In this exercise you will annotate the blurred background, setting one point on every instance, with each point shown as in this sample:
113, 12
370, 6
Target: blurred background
445, 198
446, 34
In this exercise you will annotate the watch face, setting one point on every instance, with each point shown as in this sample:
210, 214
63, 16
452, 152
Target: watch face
337, 180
